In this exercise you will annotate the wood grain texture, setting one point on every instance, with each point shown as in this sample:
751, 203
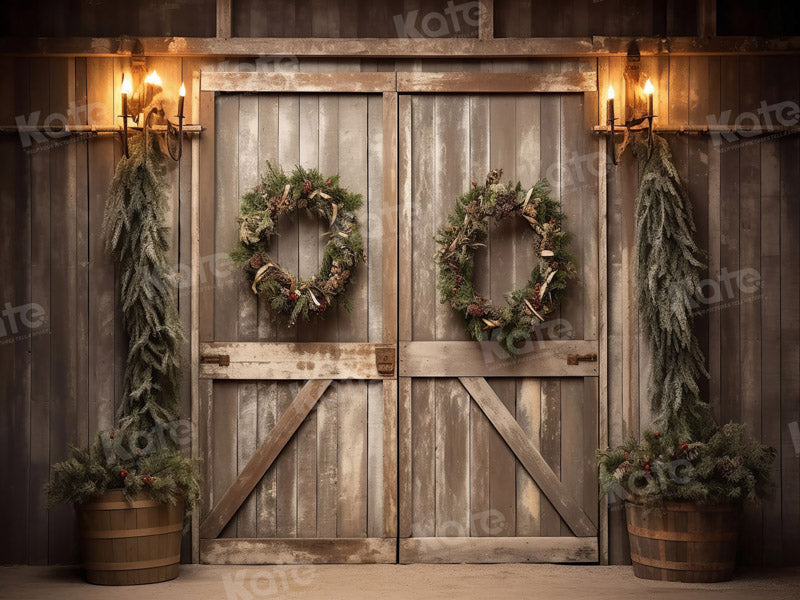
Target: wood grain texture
456, 359
512, 433
499, 549
262, 458
279, 551
290, 360
495, 83
342, 83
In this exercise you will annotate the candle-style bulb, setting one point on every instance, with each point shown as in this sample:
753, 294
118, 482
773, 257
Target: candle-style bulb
648, 88
153, 78
127, 86
182, 91
610, 92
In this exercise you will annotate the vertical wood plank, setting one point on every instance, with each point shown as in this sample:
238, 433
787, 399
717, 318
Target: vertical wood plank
15, 349
451, 123
225, 408
423, 399
63, 281
41, 345
750, 306
790, 321
247, 426
730, 376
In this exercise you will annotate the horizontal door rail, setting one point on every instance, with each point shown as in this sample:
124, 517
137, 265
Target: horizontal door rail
490, 359
294, 83
496, 83
296, 361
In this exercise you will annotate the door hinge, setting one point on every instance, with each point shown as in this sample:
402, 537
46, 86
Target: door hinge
574, 359
384, 360
223, 360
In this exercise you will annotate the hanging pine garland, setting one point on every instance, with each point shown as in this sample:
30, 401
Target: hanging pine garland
135, 234
280, 194
467, 230
668, 266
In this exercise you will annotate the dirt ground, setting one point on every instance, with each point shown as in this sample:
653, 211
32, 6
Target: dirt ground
387, 582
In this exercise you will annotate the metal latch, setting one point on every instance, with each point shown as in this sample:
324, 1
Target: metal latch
574, 359
384, 360
223, 360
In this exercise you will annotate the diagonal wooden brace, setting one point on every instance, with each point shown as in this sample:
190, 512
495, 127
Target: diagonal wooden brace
263, 458
508, 428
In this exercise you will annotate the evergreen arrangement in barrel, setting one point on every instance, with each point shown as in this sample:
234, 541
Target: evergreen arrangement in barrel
138, 466
685, 480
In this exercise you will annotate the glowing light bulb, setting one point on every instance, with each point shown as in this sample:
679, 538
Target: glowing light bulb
153, 78
182, 91
648, 88
610, 92
127, 86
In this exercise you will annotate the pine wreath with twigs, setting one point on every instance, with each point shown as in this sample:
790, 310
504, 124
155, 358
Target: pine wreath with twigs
280, 194
467, 230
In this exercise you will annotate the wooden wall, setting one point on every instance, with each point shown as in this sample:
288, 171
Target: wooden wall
59, 381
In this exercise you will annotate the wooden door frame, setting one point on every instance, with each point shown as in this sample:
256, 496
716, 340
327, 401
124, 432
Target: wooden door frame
462, 358
395, 390
254, 360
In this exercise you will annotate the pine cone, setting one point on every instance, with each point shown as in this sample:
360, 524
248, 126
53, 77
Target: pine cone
494, 176
475, 310
256, 261
306, 187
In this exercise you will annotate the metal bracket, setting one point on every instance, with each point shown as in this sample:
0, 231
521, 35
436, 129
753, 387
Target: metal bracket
574, 359
385, 360
223, 360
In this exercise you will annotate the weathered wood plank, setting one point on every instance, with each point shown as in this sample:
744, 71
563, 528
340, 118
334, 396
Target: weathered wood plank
405, 510
495, 83
457, 359
471, 48
499, 549
224, 18
281, 551
512, 433
389, 214
263, 457
298, 82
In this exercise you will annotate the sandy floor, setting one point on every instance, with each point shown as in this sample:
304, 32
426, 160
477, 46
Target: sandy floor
383, 582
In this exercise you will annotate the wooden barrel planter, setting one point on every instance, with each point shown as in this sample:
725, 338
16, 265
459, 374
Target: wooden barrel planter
128, 543
683, 541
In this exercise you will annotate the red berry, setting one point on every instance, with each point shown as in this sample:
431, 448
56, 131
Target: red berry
474, 184
111, 435
656, 433
138, 451
328, 181
147, 480
684, 447
626, 454
123, 473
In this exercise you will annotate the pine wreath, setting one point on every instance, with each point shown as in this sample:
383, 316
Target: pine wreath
526, 307
280, 194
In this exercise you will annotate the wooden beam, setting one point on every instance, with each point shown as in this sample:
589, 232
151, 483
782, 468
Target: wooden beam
602, 324
282, 551
707, 18
530, 458
298, 361
194, 332
396, 47
338, 83
263, 458
486, 20
463, 359
499, 550
224, 19
496, 83
389, 219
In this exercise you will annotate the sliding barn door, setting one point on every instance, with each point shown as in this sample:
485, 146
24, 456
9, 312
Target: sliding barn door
298, 426
496, 453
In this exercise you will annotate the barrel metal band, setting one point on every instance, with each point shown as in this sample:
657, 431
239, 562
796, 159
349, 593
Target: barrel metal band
679, 566
134, 565
681, 536
131, 533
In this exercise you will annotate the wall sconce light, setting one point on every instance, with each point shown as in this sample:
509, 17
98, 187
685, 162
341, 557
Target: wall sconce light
634, 121
152, 87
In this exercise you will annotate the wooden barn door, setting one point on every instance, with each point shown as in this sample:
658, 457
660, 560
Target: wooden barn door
297, 425
496, 454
